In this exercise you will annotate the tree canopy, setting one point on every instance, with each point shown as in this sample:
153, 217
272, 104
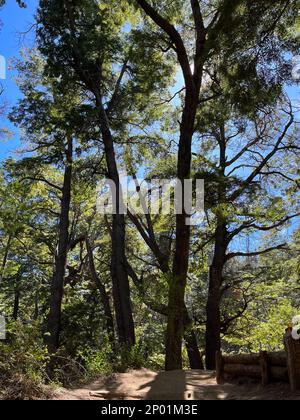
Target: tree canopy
166, 91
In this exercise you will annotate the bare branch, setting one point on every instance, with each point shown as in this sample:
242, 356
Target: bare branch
254, 254
265, 161
252, 225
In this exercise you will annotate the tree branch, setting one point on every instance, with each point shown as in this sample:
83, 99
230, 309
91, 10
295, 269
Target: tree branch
200, 40
115, 94
252, 225
265, 161
174, 36
254, 254
40, 179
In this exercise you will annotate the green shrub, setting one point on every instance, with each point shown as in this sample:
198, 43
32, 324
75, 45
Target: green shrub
97, 362
23, 360
131, 358
106, 361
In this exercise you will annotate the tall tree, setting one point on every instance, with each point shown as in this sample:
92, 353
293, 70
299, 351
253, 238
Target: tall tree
216, 27
240, 182
66, 19
78, 58
51, 124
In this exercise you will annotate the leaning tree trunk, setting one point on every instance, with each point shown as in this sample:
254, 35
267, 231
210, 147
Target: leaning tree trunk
213, 317
109, 320
57, 285
120, 281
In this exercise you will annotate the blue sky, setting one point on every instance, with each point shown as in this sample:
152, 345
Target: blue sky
15, 21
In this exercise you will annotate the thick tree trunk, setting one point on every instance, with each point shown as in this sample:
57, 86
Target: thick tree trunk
57, 285
176, 306
190, 338
213, 318
109, 321
120, 281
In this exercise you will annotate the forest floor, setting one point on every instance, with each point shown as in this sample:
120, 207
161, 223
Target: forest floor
178, 385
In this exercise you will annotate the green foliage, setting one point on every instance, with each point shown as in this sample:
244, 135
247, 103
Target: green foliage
263, 329
131, 357
97, 362
83, 49
23, 361
25, 353
106, 361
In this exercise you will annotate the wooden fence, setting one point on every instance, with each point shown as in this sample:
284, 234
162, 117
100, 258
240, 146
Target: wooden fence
281, 366
267, 367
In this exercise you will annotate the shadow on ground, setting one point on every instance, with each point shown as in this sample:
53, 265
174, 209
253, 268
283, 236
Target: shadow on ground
177, 385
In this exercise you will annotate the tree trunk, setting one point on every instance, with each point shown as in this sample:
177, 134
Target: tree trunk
5, 257
213, 318
177, 286
120, 281
109, 321
36, 306
190, 338
16, 299
189, 332
193, 83
57, 285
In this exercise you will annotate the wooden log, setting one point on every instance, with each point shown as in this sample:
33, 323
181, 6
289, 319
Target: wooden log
219, 367
252, 371
265, 368
241, 359
278, 358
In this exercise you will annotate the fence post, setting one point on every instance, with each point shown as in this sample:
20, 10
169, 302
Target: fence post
219, 367
292, 348
265, 368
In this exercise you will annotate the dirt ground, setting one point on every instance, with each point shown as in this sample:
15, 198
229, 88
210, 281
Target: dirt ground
178, 385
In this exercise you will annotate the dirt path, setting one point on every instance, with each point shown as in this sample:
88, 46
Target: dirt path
178, 385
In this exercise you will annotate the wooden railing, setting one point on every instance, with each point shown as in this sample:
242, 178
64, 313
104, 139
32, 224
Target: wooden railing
283, 366
267, 367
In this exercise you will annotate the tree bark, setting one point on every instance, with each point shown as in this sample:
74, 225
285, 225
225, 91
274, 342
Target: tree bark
213, 317
120, 281
109, 320
193, 82
16, 298
178, 280
5, 257
190, 338
191, 343
57, 284
36, 306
